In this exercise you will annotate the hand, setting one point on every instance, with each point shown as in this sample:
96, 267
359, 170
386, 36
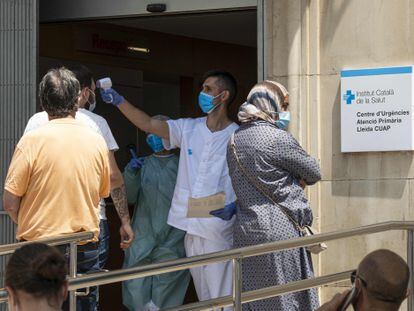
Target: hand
110, 96
225, 213
334, 303
136, 163
127, 235
302, 183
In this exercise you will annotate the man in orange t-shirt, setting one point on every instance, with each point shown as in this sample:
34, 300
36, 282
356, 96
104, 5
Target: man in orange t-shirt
58, 174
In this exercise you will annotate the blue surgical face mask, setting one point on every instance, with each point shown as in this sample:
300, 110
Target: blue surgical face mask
155, 143
284, 119
206, 102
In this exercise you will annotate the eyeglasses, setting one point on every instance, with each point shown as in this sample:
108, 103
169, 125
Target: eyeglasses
354, 276
374, 293
90, 90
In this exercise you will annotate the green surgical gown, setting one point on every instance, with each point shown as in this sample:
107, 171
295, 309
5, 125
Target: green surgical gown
151, 190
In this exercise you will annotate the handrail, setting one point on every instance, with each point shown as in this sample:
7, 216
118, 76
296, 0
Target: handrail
59, 240
236, 254
120, 275
3, 295
264, 293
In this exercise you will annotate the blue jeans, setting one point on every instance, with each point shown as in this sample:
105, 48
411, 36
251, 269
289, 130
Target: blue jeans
103, 248
103, 243
88, 261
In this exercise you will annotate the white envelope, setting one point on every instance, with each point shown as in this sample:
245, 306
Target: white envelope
201, 207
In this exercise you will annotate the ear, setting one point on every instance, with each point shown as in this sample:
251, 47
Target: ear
358, 285
64, 291
225, 96
85, 92
13, 301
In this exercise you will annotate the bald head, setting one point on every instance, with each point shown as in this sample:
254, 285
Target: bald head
385, 275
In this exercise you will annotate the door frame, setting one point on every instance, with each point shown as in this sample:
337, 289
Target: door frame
81, 10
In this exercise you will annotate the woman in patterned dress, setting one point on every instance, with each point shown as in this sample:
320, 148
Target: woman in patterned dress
272, 160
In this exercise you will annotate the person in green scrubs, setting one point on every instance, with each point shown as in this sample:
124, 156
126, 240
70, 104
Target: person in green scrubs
150, 183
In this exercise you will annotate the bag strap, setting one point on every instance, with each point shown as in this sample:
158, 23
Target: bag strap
258, 187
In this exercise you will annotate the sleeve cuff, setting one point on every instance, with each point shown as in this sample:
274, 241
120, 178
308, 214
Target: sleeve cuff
13, 191
166, 144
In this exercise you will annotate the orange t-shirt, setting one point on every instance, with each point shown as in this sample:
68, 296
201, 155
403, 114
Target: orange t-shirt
60, 170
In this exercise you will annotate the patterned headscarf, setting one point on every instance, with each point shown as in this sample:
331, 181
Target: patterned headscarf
264, 101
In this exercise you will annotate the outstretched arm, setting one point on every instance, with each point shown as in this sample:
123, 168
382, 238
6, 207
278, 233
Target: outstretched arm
138, 117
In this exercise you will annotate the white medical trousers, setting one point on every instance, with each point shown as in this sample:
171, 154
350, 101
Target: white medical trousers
213, 280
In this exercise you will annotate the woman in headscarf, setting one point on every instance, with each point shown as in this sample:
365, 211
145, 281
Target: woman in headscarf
269, 170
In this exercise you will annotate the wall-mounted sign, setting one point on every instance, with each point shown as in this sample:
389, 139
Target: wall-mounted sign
377, 109
112, 43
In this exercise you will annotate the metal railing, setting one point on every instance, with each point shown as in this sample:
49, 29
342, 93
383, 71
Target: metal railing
236, 256
71, 239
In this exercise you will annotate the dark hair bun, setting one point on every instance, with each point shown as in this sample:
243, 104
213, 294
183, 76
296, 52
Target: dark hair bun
51, 268
37, 269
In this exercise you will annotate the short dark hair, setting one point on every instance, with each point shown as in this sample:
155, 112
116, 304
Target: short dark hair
225, 80
59, 91
386, 275
37, 269
83, 74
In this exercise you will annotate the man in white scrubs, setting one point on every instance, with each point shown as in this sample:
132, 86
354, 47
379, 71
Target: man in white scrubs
202, 172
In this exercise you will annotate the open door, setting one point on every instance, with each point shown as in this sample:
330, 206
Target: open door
18, 65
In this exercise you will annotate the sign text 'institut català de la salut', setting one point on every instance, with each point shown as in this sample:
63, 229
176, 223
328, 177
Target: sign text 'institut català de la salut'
377, 109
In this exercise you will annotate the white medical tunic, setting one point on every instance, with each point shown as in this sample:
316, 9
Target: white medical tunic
90, 119
202, 172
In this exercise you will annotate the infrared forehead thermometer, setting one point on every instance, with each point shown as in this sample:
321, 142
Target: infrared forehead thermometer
105, 84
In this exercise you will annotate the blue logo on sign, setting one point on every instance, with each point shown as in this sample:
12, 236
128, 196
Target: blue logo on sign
348, 97
190, 151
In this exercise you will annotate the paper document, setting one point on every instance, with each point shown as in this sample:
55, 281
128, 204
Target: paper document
201, 207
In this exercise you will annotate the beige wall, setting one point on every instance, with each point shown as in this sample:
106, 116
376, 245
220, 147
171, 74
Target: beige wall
308, 43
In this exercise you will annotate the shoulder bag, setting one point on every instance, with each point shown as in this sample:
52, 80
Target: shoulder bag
305, 230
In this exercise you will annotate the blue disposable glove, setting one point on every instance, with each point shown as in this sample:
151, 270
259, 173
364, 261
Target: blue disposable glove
110, 96
225, 213
136, 163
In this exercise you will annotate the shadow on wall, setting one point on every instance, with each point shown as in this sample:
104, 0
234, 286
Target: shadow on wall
352, 171
331, 16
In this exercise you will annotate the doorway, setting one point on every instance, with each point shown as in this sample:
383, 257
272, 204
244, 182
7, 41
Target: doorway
157, 63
